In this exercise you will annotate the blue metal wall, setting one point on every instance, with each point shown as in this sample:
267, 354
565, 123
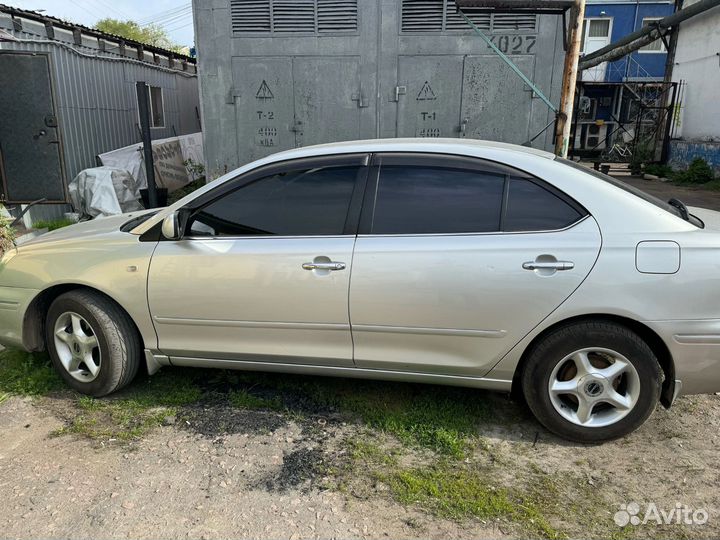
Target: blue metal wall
626, 18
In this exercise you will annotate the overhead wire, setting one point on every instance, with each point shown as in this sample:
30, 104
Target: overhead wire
164, 16
104, 5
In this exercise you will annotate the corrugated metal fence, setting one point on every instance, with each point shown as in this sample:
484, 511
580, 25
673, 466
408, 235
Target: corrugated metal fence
95, 97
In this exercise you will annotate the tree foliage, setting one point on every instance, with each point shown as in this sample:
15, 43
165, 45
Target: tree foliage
151, 34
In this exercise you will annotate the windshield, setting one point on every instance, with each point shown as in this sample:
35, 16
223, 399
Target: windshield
632, 189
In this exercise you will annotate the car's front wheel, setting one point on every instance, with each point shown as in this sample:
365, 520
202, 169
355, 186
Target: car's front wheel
592, 381
92, 342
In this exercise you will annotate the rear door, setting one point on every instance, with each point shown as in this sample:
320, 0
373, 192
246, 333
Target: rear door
457, 260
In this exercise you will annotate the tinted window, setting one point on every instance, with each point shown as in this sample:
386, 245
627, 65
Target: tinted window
416, 200
296, 203
531, 207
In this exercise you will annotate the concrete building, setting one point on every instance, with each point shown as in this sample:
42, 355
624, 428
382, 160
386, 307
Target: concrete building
697, 70
67, 94
276, 74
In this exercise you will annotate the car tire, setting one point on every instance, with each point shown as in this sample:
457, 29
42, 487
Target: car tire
92, 342
604, 399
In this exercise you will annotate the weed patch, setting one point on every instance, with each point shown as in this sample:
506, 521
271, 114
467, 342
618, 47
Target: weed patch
452, 491
26, 374
53, 224
131, 413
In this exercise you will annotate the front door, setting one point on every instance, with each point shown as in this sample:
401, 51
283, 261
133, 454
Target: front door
457, 261
30, 162
263, 271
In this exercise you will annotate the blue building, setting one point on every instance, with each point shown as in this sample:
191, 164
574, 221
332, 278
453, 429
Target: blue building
613, 94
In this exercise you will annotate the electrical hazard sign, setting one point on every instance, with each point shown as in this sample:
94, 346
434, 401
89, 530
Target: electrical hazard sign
426, 93
264, 92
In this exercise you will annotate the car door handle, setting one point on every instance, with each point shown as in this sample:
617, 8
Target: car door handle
550, 265
332, 265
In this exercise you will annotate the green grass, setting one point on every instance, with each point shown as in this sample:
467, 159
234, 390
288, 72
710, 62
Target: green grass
131, 413
128, 414
243, 399
443, 419
713, 185
451, 490
53, 224
27, 374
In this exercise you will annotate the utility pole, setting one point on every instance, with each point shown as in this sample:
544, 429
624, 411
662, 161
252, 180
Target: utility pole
570, 71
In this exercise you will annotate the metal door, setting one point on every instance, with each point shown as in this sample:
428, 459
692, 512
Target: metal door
263, 91
428, 96
496, 103
328, 99
30, 155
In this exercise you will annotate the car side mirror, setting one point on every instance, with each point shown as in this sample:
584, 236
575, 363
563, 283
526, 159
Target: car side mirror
171, 229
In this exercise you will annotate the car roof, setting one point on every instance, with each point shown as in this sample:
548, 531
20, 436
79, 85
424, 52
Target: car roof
432, 145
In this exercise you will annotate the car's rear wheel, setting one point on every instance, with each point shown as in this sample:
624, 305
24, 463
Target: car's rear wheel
92, 342
592, 381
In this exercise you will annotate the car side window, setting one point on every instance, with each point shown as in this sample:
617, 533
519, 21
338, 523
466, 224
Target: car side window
531, 207
309, 202
427, 200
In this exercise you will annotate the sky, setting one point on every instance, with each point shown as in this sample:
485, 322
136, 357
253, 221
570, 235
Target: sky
174, 15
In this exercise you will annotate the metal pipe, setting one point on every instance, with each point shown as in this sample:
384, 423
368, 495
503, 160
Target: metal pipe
645, 35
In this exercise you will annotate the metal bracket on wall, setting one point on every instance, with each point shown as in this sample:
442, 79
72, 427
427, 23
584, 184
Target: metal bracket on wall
399, 91
361, 100
230, 97
509, 62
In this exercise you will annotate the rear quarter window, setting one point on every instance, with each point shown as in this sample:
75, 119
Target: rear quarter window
531, 207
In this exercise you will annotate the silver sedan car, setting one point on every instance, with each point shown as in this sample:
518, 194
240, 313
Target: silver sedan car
452, 262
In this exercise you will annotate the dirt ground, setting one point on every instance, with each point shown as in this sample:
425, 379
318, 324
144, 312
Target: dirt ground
267, 462
185, 481
219, 473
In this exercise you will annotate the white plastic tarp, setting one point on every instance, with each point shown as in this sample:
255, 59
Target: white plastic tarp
169, 156
104, 191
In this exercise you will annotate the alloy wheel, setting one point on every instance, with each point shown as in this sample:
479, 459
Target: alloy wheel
594, 387
77, 346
